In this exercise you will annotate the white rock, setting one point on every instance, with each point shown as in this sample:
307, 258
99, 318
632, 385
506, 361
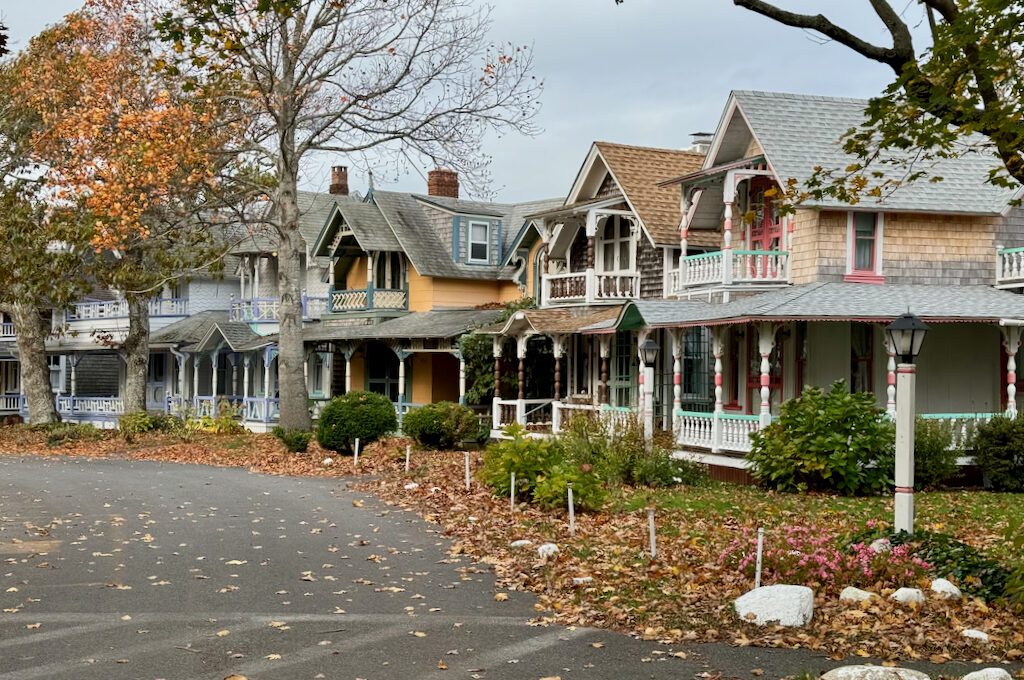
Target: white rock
547, 550
989, 674
873, 673
472, 519
880, 545
975, 634
851, 594
521, 543
781, 604
582, 580
328, 462
946, 590
411, 485
908, 595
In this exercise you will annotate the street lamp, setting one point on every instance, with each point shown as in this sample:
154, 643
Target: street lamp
906, 334
649, 353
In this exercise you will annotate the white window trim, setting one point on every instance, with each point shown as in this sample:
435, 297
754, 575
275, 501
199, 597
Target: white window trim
631, 231
470, 242
851, 243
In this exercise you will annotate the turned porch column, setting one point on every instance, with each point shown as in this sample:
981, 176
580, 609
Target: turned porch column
729, 197
214, 362
462, 376
402, 356
349, 351
591, 231
558, 350
765, 344
521, 342
890, 377
604, 349
496, 347
246, 361
1011, 343
678, 337
717, 349
196, 360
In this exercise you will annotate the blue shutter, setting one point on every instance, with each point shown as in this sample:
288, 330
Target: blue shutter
498, 245
456, 251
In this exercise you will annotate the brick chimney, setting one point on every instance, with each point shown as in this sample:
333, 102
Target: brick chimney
441, 182
339, 180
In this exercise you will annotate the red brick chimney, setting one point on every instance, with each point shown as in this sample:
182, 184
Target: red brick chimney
441, 182
339, 180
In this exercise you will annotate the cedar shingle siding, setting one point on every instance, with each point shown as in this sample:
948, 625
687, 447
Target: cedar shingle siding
651, 262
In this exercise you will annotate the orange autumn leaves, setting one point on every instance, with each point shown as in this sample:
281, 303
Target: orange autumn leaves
119, 137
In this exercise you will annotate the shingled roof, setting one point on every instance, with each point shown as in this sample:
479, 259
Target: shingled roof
798, 132
638, 170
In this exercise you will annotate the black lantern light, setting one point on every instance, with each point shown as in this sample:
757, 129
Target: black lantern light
649, 351
906, 335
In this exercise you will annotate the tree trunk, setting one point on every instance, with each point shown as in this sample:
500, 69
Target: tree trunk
291, 354
136, 354
32, 327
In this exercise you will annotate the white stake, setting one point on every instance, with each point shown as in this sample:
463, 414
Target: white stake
760, 551
512, 494
650, 526
572, 512
467, 470
355, 460
408, 452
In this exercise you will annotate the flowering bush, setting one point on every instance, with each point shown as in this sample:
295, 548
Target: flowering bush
811, 555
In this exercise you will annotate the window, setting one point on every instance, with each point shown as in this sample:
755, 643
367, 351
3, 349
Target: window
381, 370
622, 379
479, 233
862, 348
388, 272
316, 373
56, 363
864, 246
616, 245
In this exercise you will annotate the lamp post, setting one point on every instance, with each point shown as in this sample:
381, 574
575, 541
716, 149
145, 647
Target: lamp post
905, 335
649, 352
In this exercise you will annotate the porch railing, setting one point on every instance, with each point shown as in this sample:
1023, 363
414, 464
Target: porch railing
314, 307
255, 310
589, 287
715, 431
530, 413
962, 426
118, 309
261, 409
1010, 267
7, 330
365, 299
731, 267
561, 412
10, 402
568, 287
100, 406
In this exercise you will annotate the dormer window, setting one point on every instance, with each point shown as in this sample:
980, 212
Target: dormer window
617, 250
864, 247
479, 242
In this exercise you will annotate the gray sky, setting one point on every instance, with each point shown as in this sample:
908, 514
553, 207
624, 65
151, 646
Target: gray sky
648, 72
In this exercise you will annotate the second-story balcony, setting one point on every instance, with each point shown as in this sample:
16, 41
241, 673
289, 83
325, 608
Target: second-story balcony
7, 331
343, 300
268, 309
729, 268
1010, 268
98, 310
589, 287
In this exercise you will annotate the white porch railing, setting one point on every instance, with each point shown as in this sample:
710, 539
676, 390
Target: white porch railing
314, 307
568, 287
725, 268
561, 412
589, 287
255, 310
1009, 267
716, 431
527, 412
118, 309
617, 286
261, 409
962, 426
10, 402
7, 330
101, 406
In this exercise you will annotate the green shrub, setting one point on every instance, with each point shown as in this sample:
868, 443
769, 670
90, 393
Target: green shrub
934, 459
443, 425
296, 441
975, 573
165, 422
829, 441
529, 457
131, 425
999, 452
65, 433
551, 490
1015, 582
365, 416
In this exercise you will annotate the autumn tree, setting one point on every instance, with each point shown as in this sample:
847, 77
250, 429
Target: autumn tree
134, 149
398, 79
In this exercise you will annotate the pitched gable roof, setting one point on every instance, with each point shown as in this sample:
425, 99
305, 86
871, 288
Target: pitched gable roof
798, 132
638, 170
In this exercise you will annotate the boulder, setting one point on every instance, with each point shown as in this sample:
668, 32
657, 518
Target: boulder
582, 580
546, 550
945, 590
778, 604
908, 595
521, 543
851, 594
880, 545
411, 485
873, 673
989, 674
975, 634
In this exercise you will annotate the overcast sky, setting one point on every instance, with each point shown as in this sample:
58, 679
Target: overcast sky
648, 72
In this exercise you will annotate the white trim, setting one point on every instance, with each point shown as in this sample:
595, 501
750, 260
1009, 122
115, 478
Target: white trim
851, 240
486, 259
713, 459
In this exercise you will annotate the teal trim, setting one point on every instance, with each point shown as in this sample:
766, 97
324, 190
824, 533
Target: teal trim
702, 256
760, 252
1007, 251
957, 416
737, 416
617, 409
695, 414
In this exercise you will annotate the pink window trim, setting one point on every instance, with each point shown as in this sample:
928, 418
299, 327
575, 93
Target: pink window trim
864, 277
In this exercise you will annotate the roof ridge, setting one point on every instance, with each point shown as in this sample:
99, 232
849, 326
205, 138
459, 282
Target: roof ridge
688, 152
803, 96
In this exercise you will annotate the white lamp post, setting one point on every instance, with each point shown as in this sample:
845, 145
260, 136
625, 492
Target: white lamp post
905, 335
649, 352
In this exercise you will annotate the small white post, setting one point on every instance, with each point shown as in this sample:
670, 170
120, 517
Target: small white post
408, 452
760, 552
355, 460
650, 527
572, 511
467, 470
512, 494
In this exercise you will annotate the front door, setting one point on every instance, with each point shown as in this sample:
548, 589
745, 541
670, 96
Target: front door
156, 382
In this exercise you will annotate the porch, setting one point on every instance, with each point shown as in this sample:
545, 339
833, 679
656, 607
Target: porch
367, 299
267, 310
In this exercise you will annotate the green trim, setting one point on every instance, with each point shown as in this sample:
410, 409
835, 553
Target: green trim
695, 414
702, 256
1007, 251
736, 416
617, 409
957, 416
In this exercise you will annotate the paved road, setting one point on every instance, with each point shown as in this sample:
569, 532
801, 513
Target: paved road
120, 569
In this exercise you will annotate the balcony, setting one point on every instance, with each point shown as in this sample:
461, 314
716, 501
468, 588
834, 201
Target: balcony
7, 331
1010, 268
268, 310
367, 299
118, 309
720, 269
589, 288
